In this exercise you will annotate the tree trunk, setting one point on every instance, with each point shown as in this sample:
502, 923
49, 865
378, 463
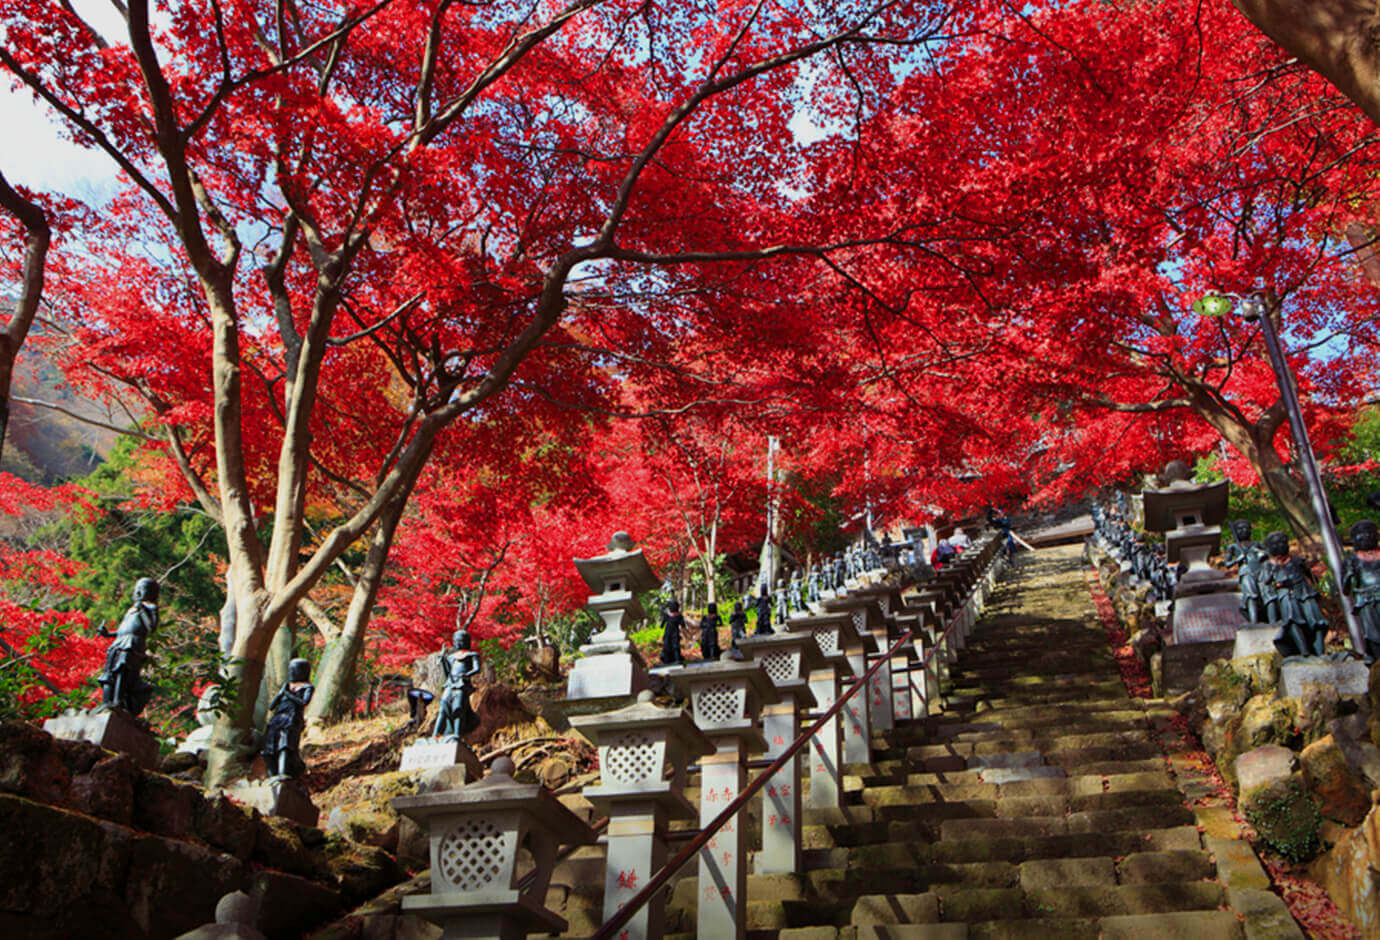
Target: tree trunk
1336, 38
336, 675
233, 742
37, 236
1290, 494
1256, 442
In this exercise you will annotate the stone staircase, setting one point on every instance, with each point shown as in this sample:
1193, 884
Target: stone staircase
1038, 803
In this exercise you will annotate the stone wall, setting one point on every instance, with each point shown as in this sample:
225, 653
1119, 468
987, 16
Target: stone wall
95, 846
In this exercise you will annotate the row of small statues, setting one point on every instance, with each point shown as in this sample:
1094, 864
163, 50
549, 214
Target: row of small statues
1276, 586
123, 685
1147, 561
798, 595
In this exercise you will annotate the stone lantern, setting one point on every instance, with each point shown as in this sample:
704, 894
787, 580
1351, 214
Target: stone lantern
831, 634
864, 606
841, 629
1206, 614
788, 660
480, 833
726, 699
1206, 601
637, 746
610, 666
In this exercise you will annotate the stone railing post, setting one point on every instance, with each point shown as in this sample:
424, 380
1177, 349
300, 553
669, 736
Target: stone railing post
788, 660
870, 621
637, 746
830, 632
726, 697
476, 833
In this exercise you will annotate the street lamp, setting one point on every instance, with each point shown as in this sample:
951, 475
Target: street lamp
1261, 307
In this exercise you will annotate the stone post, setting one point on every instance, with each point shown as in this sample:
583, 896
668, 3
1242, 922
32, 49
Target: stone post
637, 746
869, 621
788, 659
725, 698
476, 833
857, 714
826, 752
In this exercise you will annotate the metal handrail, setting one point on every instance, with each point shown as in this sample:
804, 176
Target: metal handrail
658, 881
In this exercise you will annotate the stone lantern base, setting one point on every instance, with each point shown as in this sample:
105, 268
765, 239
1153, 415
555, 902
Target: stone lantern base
607, 671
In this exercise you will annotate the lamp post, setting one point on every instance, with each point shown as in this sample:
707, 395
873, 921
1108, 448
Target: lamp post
1261, 306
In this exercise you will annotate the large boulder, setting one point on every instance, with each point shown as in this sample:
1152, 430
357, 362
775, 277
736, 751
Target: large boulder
1351, 874
225, 824
1286, 815
1261, 672
1341, 792
1349, 731
1223, 691
361, 871
31, 766
1268, 721
1263, 765
164, 806
1318, 705
107, 789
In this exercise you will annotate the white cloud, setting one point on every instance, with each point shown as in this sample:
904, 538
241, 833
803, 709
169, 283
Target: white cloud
36, 154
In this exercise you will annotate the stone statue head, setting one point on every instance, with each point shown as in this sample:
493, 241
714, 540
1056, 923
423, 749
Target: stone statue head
460, 639
1175, 471
1277, 544
146, 591
1241, 529
673, 606
1365, 535
299, 670
711, 608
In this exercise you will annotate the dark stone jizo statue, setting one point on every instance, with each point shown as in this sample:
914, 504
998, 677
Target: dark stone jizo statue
1289, 589
1361, 580
764, 614
1249, 558
455, 718
283, 736
672, 622
122, 686
737, 623
709, 633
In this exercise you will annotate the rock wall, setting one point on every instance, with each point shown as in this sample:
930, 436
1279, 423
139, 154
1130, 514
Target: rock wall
95, 846
1306, 768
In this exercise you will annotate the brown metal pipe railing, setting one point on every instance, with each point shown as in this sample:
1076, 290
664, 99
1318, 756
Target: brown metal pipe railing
659, 880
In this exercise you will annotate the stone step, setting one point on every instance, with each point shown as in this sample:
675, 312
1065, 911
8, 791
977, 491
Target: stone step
887, 801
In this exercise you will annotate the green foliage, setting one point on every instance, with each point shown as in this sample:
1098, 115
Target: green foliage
571, 631
1286, 816
1365, 437
120, 542
508, 663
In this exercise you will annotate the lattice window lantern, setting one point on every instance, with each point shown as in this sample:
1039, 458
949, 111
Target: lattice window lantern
787, 658
638, 746
479, 834
726, 698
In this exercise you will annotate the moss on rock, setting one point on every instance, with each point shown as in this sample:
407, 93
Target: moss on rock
1286, 815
